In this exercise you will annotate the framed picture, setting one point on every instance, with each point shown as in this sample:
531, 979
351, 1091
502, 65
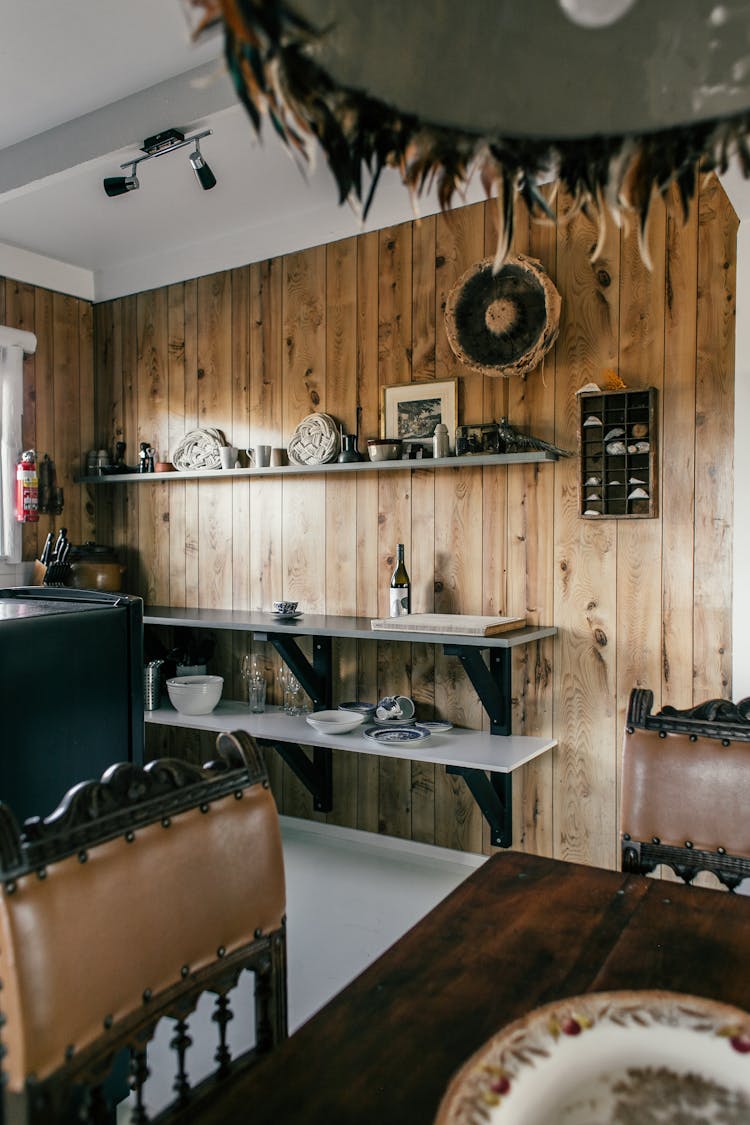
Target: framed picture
412, 410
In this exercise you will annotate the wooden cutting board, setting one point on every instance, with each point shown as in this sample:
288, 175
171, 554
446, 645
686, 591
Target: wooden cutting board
466, 624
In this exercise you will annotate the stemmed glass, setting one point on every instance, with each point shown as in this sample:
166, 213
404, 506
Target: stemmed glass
292, 693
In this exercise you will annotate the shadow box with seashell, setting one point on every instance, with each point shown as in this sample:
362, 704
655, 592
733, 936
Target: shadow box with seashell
618, 453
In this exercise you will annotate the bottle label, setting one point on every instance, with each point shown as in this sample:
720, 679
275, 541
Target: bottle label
399, 602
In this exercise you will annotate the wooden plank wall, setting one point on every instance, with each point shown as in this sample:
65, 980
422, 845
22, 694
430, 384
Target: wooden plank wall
637, 603
58, 416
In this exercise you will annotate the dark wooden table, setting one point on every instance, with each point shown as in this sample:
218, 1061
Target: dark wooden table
520, 932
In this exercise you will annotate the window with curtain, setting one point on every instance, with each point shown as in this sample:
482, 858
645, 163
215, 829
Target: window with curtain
14, 344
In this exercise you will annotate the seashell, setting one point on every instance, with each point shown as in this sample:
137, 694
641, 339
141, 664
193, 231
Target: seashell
638, 494
592, 480
639, 430
591, 512
638, 447
614, 481
636, 480
616, 448
593, 497
588, 387
617, 432
592, 420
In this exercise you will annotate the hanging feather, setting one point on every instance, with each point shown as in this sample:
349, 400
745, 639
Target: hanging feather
269, 51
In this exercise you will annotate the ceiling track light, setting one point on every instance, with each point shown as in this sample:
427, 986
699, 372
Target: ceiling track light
203, 173
158, 145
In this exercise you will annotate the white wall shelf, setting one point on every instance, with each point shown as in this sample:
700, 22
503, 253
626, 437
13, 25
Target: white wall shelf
467, 749
467, 461
485, 759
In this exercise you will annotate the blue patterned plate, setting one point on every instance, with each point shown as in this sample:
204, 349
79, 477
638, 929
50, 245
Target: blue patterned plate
392, 734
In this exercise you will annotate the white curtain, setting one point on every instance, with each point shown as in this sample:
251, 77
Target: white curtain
13, 344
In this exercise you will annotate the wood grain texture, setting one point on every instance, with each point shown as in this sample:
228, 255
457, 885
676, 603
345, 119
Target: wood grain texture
585, 563
678, 467
639, 549
254, 350
714, 440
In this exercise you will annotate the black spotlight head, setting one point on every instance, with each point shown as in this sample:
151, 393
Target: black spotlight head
203, 173
119, 185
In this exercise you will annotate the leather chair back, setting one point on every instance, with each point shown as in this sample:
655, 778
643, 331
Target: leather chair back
108, 923
685, 780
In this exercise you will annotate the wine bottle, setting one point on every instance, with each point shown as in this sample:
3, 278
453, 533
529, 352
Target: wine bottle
400, 586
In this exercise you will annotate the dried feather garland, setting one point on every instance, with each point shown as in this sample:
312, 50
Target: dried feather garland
268, 51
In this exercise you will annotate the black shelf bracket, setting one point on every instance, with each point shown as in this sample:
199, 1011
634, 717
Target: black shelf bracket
493, 793
316, 678
492, 684
316, 775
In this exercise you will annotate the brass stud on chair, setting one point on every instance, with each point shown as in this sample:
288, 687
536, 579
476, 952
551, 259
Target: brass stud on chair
721, 851
166, 821
83, 855
10, 886
41, 873
693, 737
147, 994
130, 836
107, 1022
662, 734
655, 840
688, 843
69, 1052
221, 951
204, 808
184, 971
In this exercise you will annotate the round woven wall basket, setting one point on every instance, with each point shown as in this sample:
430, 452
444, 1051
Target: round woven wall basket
503, 323
315, 441
199, 449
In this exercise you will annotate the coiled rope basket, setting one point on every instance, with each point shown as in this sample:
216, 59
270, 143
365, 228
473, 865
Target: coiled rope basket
315, 441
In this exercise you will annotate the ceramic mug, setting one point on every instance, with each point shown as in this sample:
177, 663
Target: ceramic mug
263, 456
228, 455
278, 457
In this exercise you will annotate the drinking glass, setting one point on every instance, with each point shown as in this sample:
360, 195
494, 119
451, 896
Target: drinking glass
256, 693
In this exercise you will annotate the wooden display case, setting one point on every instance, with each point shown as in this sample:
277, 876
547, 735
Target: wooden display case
618, 454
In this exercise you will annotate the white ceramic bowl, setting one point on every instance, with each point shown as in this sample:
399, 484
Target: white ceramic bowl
195, 695
383, 449
334, 722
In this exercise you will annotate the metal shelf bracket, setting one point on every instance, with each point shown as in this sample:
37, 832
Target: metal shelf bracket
493, 793
492, 684
316, 775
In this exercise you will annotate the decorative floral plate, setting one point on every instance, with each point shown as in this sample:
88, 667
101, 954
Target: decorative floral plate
608, 1058
435, 726
390, 733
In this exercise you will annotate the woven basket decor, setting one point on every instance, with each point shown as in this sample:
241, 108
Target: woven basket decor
315, 441
199, 449
503, 323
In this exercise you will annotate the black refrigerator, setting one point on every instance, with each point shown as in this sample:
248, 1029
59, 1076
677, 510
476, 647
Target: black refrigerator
71, 691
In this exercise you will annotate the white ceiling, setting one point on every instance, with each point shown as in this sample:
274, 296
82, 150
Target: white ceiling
81, 84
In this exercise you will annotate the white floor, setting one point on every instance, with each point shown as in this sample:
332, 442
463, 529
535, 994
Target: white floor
350, 895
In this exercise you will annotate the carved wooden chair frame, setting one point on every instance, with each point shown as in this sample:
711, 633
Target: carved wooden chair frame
723, 723
127, 798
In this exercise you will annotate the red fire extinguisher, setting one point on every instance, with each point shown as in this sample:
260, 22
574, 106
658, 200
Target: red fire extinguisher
27, 488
